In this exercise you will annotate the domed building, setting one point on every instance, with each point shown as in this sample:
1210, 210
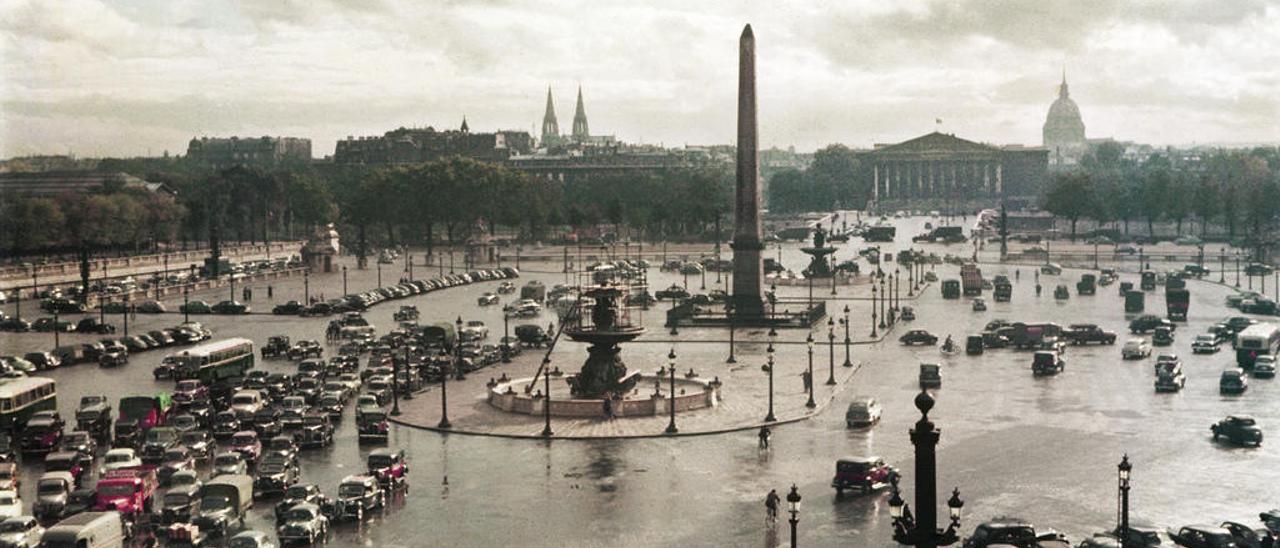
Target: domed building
1064, 130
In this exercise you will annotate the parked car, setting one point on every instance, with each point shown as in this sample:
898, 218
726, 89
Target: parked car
196, 307
229, 462
300, 493
359, 495
21, 532
230, 307
1238, 429
1203, 536
1163, 336
304, 522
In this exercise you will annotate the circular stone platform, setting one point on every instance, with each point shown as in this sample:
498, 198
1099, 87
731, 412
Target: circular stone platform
650, 397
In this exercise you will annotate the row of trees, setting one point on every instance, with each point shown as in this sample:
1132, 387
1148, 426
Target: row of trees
73, 222
1233, 189
375, 205
835, 177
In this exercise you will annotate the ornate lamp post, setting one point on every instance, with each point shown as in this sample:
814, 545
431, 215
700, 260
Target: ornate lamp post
546, 390
379, 263
1222, 268
671, 400
809, 341
56, 343
911, 278
395, 382
125, 314
702, 261
306, 286
1123, 472
884, 295
773, 299
186, 296
873, 309
506, 338
773, 333
728, 310
793, 508
847, 341
831, 351
1237, 268
344, 280
923, 531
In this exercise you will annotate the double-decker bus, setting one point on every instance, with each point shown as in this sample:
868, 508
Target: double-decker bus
213, 361
1260, 339
22, 396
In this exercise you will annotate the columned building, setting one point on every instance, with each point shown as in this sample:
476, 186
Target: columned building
1064, 130
943, 168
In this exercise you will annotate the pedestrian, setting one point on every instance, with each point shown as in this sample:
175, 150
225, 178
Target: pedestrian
1038, 288
1017, 274
244, 293
764, 437
807, 378
608, 408
771, 505
270, 291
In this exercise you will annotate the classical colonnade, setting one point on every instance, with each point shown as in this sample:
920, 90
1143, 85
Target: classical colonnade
904, 179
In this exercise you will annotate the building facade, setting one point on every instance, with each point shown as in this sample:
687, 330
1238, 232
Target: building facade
942, 168
594, 161
417, 145
250, 151
1064, 130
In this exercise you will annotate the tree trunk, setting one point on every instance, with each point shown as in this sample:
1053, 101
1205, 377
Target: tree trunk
1073, 229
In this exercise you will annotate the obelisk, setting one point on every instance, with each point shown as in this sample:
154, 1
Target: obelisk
748, 270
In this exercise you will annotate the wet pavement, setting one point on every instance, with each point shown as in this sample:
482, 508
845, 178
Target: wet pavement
1044, 449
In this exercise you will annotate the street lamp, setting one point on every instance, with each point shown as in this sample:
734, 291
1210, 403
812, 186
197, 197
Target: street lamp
847, 340
671, 400
56, 343
395, 381
773, 333
831, 351
793, 508
728, 311
873, 309
506, 338
884, 295
546, 390
186, 295
379, 271
809, 342
1123, 471
306, 286
344, 280
703, 262
773, 299
445, 371
923, 532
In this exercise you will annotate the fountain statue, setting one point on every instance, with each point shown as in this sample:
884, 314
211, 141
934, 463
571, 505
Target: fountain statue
603, 374
819, 266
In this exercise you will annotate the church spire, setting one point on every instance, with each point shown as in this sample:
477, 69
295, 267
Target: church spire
1062, 89
580, 131
550, 128
465, 128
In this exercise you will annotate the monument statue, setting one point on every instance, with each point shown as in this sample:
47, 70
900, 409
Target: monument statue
604, 373
819, 266
748, 266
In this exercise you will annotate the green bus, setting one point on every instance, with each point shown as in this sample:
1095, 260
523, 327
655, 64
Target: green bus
213, 361
22, 396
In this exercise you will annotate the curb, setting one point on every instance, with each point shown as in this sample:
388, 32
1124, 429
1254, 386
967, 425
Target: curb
821, 407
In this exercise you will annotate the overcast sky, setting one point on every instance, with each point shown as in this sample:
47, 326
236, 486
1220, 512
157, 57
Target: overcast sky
128, 77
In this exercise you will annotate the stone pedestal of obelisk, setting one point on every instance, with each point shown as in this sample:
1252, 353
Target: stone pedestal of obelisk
748, 268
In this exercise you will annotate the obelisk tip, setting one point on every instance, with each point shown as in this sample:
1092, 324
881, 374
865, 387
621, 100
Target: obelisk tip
746, 32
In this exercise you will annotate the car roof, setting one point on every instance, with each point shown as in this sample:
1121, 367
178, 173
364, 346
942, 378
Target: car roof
859, 460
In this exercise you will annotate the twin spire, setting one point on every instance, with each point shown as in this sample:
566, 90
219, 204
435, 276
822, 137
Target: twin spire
551, 127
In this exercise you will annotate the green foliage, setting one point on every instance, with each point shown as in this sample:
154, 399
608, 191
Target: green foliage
835, 177
1072, 196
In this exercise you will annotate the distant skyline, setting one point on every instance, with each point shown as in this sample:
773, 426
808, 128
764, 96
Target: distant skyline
128, 77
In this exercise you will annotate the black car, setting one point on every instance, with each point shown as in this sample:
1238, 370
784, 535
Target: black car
1149, 322
290, 308
94, 416
92, 325
200, 443
158, 441
41, 435
1238, 429
230, 307
299, 493
273, 477
316, 431
42, 360
267, 423
918, 336
277, 346
1003, 532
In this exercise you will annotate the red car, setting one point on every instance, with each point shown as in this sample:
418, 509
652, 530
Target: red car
862, 473
389, 466
247, 444
190, 390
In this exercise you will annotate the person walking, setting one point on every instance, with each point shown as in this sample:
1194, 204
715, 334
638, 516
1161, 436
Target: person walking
608, 407
771, 505
764, 437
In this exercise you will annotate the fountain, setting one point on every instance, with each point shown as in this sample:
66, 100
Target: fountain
819, 266
603, 374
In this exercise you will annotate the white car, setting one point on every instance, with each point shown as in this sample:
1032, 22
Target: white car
120, 457
1205, 344
1135, 349
1264, 367
21, 531
10, 504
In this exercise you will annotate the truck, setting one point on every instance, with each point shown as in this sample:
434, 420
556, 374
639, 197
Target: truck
534, 290
880, 233
224, 500
129, 491
1088, 285
1177, 301
94, 416
951, 289
1134, 301
1030, 335
87, 530
1003, 291
139, 414
971, 279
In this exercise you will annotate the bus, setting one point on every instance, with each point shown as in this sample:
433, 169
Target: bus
213, 361
22, 396
1259, 339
